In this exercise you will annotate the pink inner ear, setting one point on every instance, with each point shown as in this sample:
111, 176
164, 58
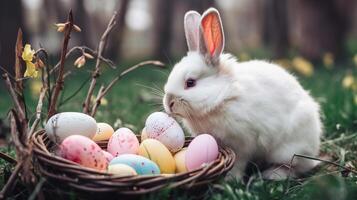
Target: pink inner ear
212, 32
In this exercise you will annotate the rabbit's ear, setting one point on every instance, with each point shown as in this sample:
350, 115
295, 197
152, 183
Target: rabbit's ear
211, 35
192, 25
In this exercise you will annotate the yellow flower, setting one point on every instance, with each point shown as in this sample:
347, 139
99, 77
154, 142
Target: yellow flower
80, 61
30, 70
303, 66
27, 56
28, 53
328, 60
355, 99
348, 81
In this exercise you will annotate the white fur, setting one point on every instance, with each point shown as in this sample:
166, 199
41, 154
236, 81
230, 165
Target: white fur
255, 107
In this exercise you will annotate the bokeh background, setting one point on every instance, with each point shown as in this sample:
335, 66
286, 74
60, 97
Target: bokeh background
154, 28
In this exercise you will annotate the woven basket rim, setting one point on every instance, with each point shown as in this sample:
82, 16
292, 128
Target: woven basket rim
85, 179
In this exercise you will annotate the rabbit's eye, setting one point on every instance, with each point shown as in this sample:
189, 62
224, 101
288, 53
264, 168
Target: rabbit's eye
190, 83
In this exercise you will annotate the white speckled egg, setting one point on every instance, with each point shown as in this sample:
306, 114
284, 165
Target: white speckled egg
164, 128
64, 124
83, 151
123, 141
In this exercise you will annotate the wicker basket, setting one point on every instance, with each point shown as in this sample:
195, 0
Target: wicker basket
67, 174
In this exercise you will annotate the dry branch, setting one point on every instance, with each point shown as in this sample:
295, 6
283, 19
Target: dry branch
7, 187
8, 158
85, 49
59, 82
103, 91
103, 40
38, 112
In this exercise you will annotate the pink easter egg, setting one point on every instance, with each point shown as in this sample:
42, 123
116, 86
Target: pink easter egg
108, 155
123, 141
203, 149
84, 151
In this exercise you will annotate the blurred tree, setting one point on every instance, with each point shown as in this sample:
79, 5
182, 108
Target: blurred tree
320, 26
163, 25
11, 19
81, 18
114, 46
200, 5
164, 37
275, 26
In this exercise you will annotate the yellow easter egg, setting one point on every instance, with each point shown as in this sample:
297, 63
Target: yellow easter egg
158, 153
121, 169
104, 132
180, 161
144, 134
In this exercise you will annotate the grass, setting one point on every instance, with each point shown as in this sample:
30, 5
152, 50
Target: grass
131, 100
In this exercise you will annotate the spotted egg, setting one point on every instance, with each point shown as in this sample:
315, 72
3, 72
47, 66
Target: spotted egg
164, 128
123, 141
84, 151
108, 156
142, 165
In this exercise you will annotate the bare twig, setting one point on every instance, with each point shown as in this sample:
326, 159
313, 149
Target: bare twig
14, 97
38, 111
85, 49
19, 87
74, 93
59, 81
121, 75
97, 101
8, 186
7, 72
103, 40
8, 158
18, 51
104, 91
317, 159
37, 189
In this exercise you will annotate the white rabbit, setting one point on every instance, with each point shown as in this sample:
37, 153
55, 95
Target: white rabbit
255, 107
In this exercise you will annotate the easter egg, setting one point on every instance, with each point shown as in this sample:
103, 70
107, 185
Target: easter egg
123, 141
83, 151
108, 156
104, 132
121, 169
158, 153
164, 128
142, 165
201, 150
144, 134
64, 124
180, 161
